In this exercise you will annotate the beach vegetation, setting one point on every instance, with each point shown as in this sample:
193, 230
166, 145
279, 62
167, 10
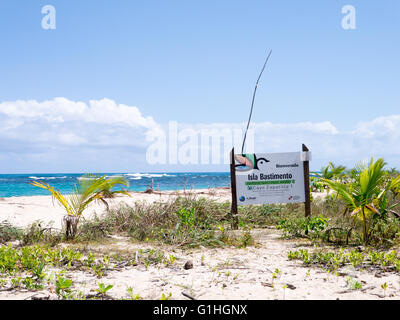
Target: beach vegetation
133, 296
184, 222
89, 188
166, 297
365, 195
332, 260
384, 286
332, 172
9, 232
355, 225
353, 284
63, 287
102, 289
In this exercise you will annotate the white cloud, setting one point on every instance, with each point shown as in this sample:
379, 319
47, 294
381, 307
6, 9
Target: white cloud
379, 138
65, 122
109, 136
71, 139
380, 128
59, 110
274, 137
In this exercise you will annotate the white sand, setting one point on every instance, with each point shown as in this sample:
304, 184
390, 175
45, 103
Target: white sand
227, 273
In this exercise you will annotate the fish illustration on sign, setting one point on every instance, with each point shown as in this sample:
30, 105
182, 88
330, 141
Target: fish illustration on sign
247, 162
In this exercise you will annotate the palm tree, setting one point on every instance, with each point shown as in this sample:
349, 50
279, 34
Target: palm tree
365, 195
332, 172
88, 189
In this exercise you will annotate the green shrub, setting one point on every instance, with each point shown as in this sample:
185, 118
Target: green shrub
9, 232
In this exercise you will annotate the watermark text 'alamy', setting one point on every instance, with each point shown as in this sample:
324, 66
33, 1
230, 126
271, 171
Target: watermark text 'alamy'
211, 145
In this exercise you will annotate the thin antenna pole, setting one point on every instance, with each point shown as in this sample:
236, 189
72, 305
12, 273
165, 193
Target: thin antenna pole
254, 96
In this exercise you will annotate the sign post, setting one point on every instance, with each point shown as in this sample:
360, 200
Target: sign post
306, 166
234, 210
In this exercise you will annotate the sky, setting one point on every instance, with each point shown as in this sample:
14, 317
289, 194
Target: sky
99, 92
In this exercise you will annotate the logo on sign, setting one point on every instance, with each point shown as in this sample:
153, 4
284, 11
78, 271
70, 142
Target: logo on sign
247, 162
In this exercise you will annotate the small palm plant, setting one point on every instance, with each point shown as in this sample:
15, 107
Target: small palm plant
366, 195
89, 188
331, 172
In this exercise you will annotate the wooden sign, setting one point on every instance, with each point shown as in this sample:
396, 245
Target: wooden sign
270, 178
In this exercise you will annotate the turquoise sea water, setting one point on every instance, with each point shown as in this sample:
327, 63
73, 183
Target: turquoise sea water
14, 185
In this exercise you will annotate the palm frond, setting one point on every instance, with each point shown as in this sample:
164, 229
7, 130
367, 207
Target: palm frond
343, 192
56, 195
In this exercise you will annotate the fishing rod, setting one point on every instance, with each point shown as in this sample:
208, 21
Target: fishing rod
254, 96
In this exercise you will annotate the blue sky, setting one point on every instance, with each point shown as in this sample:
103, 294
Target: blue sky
196, 62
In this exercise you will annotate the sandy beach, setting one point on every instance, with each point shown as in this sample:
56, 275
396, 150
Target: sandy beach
221, 274
22, 211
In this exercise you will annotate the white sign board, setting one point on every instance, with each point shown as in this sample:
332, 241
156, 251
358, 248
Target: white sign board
269, 178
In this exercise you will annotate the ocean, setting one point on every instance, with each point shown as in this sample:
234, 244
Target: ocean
16, 185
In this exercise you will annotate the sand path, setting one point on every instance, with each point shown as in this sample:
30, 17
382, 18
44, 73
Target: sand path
231, 273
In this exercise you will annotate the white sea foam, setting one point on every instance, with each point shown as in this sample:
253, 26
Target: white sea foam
149, 175
84, 178
46, 178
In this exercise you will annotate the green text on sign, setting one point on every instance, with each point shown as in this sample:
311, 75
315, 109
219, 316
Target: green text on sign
257, 183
